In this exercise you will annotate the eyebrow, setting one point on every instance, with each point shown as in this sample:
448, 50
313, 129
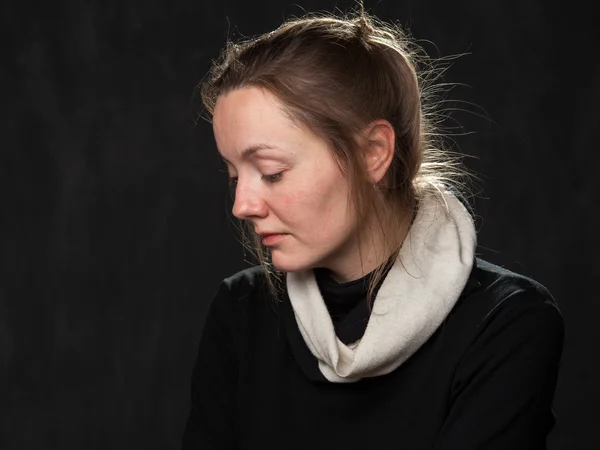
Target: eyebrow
248, 152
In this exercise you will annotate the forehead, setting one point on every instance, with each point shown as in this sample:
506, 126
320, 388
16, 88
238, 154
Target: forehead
247, 109
252, 117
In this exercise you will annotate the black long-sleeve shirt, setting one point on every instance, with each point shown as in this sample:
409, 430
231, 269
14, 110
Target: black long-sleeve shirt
484, 380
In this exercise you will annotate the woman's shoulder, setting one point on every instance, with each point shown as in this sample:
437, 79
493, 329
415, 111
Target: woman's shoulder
507, 328
500, 284
244, 282
248, 288
237, 293
499, 296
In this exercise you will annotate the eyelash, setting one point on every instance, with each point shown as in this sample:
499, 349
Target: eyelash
273, 178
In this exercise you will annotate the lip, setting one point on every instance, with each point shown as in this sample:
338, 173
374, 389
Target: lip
272, 239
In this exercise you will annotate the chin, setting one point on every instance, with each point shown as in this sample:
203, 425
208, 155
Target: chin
285, 263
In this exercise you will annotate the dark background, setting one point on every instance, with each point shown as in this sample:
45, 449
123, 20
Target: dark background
114, 227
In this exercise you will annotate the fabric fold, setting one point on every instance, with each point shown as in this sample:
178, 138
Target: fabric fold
419, 291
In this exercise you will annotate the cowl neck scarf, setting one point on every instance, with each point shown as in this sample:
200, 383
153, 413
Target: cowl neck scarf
417, 294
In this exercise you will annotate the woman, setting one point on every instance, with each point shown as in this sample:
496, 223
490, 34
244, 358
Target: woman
370, 322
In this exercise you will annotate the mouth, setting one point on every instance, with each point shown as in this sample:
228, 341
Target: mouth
272, 239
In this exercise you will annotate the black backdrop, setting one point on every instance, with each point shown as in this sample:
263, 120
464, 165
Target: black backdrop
114, 226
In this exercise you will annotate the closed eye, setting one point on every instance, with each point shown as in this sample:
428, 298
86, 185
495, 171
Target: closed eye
273, 178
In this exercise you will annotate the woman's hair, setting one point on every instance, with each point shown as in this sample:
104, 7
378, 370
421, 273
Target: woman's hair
335, 75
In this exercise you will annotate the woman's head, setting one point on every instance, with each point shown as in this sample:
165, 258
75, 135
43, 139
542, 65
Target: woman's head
341, 100
287, 182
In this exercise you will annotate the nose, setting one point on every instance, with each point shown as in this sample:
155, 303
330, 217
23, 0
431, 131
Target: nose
248, 202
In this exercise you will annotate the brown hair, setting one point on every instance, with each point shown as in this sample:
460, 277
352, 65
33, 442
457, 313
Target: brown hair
335, 75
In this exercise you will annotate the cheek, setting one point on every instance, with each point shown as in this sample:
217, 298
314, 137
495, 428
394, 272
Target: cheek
318, 209
294, 208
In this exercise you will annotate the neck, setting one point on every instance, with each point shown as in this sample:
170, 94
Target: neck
365, 253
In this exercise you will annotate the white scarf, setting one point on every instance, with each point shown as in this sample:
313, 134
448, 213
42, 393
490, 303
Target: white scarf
417, 294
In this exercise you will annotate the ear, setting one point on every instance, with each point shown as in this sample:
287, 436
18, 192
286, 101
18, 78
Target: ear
379, 148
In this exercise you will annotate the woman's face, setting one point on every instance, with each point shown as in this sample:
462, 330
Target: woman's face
287, 184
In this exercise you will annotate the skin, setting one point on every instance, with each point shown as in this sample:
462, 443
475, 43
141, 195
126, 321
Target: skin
289, 183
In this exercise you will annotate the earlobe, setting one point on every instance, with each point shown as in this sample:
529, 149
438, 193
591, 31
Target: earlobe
379, 149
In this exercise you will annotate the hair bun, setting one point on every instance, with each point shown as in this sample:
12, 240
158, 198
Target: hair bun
364, 28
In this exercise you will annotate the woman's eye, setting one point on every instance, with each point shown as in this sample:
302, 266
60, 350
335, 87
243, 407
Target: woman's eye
273, 178
269, 178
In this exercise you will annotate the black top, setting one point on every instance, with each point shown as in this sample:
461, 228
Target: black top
484, 380
346, 303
